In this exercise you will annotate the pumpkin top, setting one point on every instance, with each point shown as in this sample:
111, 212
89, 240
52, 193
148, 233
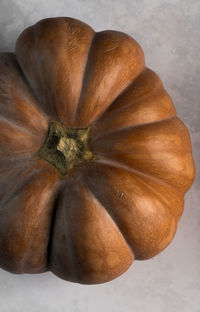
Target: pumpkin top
94, 162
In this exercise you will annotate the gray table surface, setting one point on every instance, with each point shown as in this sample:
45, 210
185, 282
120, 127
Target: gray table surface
169, 32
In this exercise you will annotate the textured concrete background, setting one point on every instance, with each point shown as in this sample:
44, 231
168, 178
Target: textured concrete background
169, 32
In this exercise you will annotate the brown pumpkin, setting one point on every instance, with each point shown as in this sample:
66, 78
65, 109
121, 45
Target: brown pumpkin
94, 162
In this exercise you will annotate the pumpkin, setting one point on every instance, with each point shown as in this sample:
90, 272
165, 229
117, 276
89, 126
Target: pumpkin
94, 162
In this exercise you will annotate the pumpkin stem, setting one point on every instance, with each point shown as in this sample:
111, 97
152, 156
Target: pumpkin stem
65, 148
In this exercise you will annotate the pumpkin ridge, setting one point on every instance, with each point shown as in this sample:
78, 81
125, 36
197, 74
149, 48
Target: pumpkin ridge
30, 87
80, 272
114, 131
16, 125
117, 96
53, 108
120, 109
112, 217
106, 46
28, 80
18, 158
21, 161
117, 164
155, 192
168, 211
52, 224
138, 174
28, 84
11, 106
157, 92
23, 259
17, 187
69, 247
83, 75
50, 234
53, 69
157, 85
28, 143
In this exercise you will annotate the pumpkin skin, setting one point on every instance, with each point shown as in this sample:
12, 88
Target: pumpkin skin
89, 225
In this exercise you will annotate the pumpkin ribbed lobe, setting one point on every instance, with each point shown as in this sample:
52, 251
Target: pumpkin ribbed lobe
65, 148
